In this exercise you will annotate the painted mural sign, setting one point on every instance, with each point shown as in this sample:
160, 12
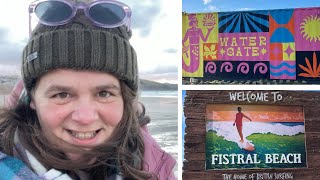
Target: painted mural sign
275, 44
255, 136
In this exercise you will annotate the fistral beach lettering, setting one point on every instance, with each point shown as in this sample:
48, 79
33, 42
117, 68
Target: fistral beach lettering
290, 158
255, 96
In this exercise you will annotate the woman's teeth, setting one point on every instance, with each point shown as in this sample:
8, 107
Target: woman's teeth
85, 135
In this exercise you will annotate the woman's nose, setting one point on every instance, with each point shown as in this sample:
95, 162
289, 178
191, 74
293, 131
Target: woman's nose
85, 112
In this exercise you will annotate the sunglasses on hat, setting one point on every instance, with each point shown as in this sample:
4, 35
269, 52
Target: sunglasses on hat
102, 13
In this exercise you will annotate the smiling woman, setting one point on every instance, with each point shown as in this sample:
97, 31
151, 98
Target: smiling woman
79, 117
81, 108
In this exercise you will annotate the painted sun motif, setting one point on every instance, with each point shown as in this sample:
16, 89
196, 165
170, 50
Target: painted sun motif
310, 28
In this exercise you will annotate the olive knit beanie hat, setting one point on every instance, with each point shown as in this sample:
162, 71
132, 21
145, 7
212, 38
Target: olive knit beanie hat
79, 45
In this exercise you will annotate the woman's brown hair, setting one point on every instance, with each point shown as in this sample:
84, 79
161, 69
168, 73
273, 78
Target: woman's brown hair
122, 153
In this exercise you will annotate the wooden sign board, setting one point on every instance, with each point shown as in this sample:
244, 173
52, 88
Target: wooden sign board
281, 142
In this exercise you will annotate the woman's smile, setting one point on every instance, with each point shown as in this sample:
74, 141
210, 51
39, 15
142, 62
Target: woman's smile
83, 135
84, 139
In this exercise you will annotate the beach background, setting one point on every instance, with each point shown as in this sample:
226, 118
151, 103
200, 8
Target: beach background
161, 106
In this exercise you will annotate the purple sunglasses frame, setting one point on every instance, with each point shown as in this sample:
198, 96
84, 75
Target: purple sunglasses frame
75, 6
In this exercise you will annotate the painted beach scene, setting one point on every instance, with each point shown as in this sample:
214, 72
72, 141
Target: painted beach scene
255, 136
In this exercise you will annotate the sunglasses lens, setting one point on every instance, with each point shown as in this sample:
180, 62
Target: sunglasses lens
107, 14
53, 11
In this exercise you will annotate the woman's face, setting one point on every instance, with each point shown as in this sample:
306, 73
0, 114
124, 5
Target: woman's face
81, 108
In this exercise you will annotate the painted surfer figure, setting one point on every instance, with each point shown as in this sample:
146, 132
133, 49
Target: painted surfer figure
238, 122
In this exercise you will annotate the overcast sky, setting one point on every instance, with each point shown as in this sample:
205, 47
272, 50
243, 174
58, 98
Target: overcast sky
156, 37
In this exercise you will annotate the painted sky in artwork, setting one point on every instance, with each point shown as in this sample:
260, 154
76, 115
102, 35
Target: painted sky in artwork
258, 113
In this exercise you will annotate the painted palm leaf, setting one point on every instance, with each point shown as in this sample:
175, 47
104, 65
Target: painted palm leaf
311, 71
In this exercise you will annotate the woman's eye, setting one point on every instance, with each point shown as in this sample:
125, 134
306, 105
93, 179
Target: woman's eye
104, 94
61, 98
61, 95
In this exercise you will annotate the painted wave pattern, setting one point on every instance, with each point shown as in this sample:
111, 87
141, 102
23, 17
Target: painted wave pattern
230, 133
283, 70
281, 65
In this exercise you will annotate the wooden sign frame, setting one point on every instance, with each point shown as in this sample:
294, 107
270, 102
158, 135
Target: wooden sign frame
194, 146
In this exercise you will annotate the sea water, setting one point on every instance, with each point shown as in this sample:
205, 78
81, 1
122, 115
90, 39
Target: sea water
173, 94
